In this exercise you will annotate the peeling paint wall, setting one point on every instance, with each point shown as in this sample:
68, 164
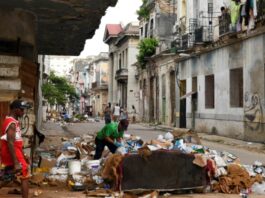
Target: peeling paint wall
245, 122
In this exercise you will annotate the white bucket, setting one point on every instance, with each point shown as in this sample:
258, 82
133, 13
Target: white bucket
74, 167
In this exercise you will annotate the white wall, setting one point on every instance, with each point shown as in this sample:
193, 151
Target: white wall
230, 121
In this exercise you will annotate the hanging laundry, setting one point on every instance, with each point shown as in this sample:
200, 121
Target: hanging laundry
235, 12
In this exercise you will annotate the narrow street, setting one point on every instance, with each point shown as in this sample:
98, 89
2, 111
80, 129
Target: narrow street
148, 133
55, 132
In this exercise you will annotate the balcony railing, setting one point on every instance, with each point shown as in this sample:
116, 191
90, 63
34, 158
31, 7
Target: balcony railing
94, 85
99, 86
121, 74
260, 10
185, 41
224, 24
203, 34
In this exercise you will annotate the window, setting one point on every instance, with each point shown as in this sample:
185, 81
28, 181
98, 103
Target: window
236, 87
123, 59
194, 95
119, 61
146, 30
126, 58
209, 92
151, 28
194, 84
141, 32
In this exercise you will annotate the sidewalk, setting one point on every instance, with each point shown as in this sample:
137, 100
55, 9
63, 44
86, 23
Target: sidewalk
250, 146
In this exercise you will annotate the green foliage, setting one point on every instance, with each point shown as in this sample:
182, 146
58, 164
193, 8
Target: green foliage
147, 48
143, 12
57, 90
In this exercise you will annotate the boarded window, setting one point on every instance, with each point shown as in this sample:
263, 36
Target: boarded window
209, 92
182, 87
163, 86
236, 87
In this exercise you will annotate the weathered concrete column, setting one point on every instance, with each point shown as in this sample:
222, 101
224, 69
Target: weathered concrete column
18, 33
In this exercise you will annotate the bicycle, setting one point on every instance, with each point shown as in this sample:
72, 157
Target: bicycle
24, 121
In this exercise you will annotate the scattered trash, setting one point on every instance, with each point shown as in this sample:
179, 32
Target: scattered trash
37, 193
72, 165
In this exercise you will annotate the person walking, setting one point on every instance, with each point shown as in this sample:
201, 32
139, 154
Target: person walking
124, 114
116, 112
111, 136
107, 114
133, 114
12, 154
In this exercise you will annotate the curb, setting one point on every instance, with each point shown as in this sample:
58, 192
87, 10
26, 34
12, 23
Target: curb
250, 146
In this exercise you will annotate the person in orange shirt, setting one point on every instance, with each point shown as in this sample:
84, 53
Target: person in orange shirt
12, 155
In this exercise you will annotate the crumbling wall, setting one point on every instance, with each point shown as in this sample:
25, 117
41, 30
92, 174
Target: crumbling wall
242, 122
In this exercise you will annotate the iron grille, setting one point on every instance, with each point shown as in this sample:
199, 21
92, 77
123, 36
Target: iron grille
260, 10
224, 24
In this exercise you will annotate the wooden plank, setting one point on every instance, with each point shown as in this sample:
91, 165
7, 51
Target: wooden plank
4, 111
28, 79
16, 60
8, 70
10, 85
29, 67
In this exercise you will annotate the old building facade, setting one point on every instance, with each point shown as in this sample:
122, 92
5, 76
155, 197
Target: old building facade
99, 84
123, 42
157, 78
212, 67
217, 90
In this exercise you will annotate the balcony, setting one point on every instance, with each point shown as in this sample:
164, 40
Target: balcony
181, 43
203, 35
260, 10
94, 85
99, 86
224, 24
121, 75
185, 41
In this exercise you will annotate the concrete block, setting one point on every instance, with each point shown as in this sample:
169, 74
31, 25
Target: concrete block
10, 60
10, 85
8, 71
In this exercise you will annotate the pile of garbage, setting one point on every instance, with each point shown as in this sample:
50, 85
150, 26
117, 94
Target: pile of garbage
72, 164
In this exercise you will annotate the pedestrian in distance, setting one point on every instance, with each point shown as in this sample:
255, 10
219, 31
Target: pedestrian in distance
12, 154
133, 114
107, 114
110, 135
116, 112
124, 114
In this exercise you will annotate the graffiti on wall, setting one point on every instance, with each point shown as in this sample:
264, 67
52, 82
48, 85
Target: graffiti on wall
253, 111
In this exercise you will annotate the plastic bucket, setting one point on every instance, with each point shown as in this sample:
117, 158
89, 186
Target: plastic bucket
74, 167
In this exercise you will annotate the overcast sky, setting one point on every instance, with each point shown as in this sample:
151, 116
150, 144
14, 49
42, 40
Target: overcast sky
124, 12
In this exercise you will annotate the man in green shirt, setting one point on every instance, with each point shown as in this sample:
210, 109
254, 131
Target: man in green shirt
110, 135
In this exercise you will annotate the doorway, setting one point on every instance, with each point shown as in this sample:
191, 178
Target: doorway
152, 105
173, 97
182, 119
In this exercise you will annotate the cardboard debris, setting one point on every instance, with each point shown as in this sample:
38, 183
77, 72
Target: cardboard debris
177, 156
187, 134
47, 163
